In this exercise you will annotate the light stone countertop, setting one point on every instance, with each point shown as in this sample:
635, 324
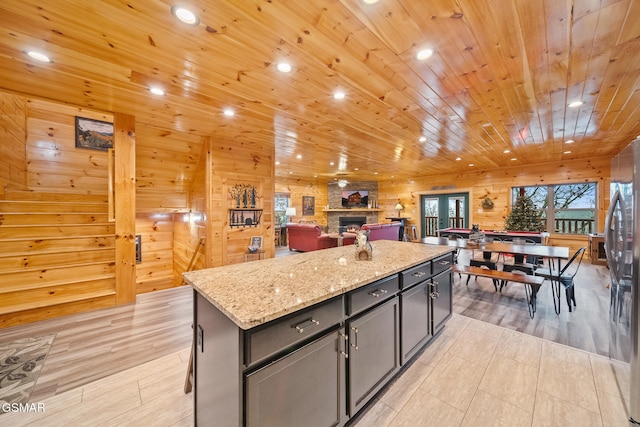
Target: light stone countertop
256, 292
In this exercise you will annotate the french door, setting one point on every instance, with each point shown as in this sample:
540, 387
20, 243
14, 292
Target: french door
444, 211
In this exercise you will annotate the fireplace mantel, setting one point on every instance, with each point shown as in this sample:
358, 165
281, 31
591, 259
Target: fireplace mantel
352, 210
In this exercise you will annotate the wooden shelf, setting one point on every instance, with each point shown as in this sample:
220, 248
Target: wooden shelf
244, 217
352, 210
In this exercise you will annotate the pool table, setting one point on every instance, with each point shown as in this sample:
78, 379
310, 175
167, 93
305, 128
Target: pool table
538, 237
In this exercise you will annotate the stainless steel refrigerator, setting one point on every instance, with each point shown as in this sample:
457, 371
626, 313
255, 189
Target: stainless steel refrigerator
622, 245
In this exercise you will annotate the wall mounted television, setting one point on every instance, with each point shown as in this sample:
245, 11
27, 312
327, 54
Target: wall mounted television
355, 199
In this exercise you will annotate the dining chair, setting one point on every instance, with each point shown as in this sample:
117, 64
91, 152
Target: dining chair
566, 275
488, 260
525, 263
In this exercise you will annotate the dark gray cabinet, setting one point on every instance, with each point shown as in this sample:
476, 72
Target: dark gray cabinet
304, 388
373, 352
321, 365
426, 303
441, 299
416, 327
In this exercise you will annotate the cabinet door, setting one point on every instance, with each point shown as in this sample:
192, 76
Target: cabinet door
442, 303
217, 391
415, 323
373, 352
304, 388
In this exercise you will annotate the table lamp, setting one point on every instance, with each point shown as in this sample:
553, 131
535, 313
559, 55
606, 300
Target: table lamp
290, 212
399, 207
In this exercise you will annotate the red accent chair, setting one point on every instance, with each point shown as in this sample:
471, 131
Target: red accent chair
308, 237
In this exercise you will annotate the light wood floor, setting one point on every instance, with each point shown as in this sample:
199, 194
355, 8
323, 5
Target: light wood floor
585, 328
93, 345
126, 365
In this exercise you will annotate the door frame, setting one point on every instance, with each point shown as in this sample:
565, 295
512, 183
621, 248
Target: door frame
447, 192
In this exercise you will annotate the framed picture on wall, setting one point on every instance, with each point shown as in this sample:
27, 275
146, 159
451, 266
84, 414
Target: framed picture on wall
256, 242
308, 205
93, 134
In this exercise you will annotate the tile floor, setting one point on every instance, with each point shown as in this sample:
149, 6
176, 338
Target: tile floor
474, 373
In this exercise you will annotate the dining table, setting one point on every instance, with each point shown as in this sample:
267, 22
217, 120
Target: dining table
553, 254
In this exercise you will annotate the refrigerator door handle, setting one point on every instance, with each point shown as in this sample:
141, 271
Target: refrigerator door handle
614, 231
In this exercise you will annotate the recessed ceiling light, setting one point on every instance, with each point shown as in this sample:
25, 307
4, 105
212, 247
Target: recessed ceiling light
185, 15
331, 163
569, 141
567, 152
471, 164
277, 163
38, 56
299, 156
284, 67
375, 173
356, 169
514, 158
458, 158
339, 95
370, 1
576, 104
506, 151
424, 54
156, 91
422, 139
229, 112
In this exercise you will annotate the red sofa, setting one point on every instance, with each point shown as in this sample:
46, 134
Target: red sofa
383, 231
308, 237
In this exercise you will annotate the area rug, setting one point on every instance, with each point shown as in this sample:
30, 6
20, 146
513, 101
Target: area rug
20, 364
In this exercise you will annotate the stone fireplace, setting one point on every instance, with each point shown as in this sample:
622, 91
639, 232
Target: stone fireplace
338, 216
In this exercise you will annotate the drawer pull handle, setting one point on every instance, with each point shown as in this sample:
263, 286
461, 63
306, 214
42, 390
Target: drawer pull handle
419, 274
444, 262
346, 339
378, 292
355, 331
300, 327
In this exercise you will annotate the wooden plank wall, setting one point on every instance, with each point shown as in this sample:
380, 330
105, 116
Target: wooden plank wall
57, 255
239, 162
165, 163
189, 228
12, 137
57, 247
297, 189
54, 164
155, 272
496, 185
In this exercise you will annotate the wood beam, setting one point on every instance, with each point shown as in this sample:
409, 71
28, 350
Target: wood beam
125, 206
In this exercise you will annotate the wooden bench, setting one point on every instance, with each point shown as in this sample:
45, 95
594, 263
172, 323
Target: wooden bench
532, 283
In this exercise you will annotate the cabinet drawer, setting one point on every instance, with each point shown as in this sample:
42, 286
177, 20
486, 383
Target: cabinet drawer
416, 274
372, 294
283, 333
442, 263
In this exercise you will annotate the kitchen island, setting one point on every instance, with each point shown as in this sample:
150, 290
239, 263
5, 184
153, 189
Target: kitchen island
310, 339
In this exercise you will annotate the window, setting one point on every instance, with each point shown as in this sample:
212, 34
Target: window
573, 206
281, 204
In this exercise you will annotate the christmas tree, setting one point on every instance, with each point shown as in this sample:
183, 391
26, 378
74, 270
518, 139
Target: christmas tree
524, 216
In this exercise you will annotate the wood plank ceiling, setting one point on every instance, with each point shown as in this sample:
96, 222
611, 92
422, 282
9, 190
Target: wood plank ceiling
501, 77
